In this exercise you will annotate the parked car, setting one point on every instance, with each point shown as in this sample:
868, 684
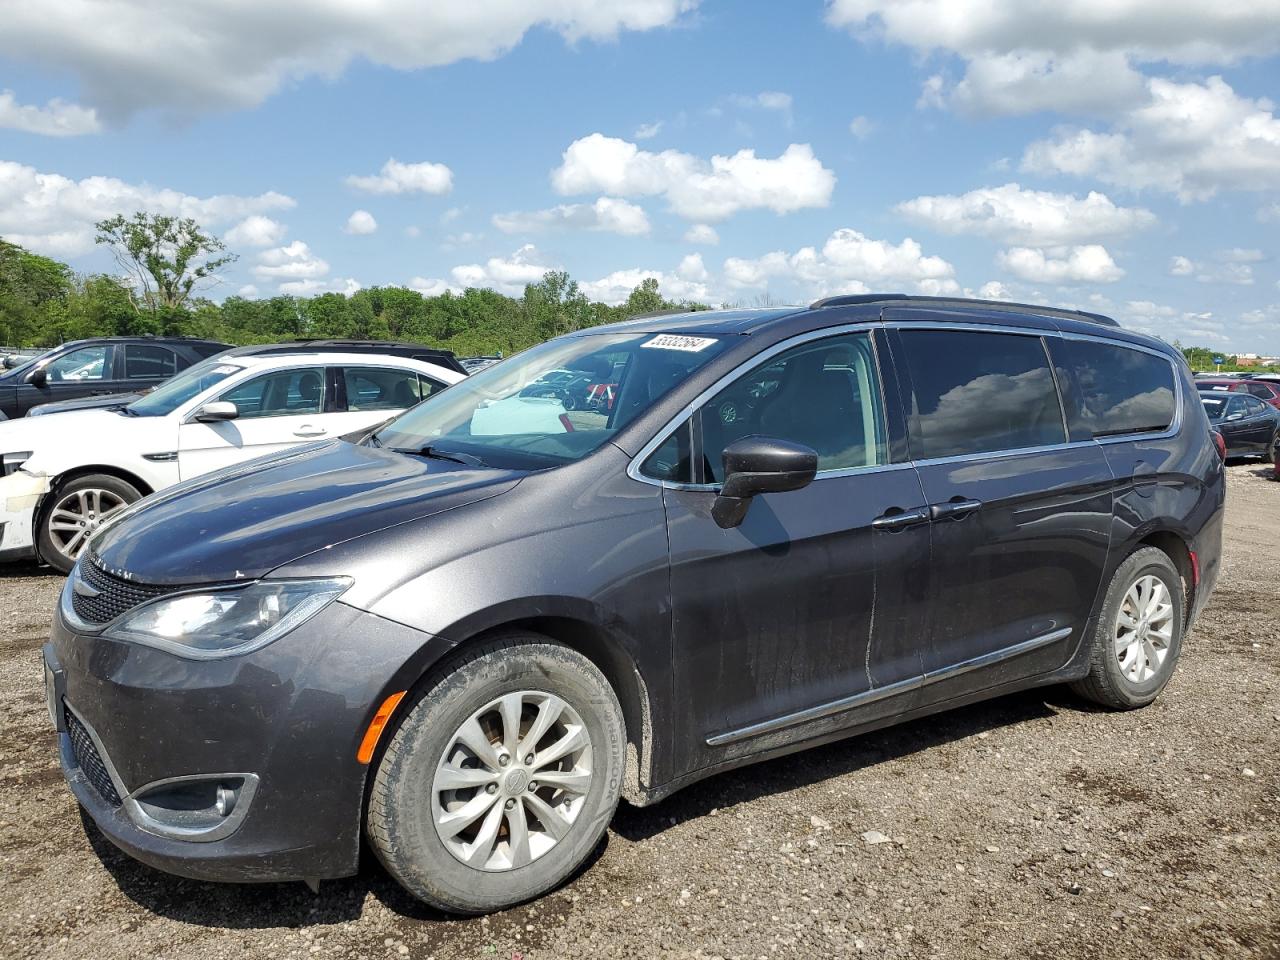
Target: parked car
1268, 391
65, 476
418, 351
476, 364
1249, 426
99, 369
465, 644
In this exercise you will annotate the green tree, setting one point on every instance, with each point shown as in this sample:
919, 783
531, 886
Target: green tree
167, 258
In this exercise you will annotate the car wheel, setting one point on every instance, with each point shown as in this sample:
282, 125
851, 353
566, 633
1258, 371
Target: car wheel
74, 511
1138, 638
502, 777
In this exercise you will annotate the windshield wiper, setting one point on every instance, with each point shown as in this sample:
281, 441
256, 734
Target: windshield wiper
453, 456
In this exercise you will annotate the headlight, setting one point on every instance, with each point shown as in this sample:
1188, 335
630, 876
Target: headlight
9, 462
225, 623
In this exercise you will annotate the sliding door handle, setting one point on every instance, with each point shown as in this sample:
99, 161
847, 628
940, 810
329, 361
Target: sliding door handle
897, 519
954, 509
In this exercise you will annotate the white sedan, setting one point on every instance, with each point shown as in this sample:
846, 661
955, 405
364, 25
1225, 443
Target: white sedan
65, 474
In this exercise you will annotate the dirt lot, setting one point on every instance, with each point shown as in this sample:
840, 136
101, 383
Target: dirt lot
1032, 826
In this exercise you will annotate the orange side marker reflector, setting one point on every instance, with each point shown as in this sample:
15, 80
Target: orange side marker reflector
370, 741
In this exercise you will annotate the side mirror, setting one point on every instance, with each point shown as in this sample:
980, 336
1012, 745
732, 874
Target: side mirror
37, 377
216, 411
755, 465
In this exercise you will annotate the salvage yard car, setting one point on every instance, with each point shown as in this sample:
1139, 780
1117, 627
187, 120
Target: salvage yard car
1249, 426
466, 645
67, 474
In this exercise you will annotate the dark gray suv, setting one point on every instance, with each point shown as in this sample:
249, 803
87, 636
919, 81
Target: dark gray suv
467, 634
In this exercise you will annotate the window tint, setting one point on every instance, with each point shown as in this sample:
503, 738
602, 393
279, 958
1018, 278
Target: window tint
429, 387
279, 394
1214, 405
823, 394
979, 392
1120, 390
87, 363
1236, 405
673, 460
381, 388
142, 361
1260, 390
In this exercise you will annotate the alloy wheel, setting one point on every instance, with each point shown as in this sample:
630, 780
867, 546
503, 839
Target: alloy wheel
1144, 629
77, 515
512, 781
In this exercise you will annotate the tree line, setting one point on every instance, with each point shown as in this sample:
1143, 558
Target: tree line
166, 261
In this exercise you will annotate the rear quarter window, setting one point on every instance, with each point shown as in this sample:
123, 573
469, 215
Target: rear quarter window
1119, 390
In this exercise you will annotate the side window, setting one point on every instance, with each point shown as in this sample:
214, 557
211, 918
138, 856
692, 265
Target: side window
143, 361
979, 393
1253, 406
824, 394
280, 394
673, 459
1121, 391
429, 387
87, 363
1236, 405
1260, 390
381, 388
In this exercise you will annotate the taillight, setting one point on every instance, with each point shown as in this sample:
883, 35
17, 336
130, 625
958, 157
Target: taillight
1220, 443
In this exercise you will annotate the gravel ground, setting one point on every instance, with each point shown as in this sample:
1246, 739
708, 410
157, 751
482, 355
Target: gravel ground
1031, 826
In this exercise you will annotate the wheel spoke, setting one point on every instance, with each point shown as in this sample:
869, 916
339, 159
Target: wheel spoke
480, 849
549, 710
1126, 619
451, 824
518, 827
510, 707
575, 739
58, 513
475, 740
72, 546
577, 782
1123, 640
1149, 653
461, 778
550, 818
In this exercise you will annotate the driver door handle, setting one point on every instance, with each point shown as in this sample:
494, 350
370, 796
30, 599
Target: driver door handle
954, 509
307, 430
897, 519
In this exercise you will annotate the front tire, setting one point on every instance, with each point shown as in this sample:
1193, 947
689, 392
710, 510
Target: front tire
1138, 637
73, 513
502, 777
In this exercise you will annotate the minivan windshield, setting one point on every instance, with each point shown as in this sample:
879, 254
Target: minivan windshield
176, 391
552, 404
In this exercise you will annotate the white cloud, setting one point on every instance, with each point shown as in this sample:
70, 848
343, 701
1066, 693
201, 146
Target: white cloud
1035, 218
432, 287
694, 188
310, 288
995, 290
216, 54
617, 286
361, 223
848, 262
1233, 267
256, 231
412, 232
774, 100
607, 214
1073, 55
248, 291
1240, 255
507, 275
647, 131
292, 262
1189, 139
1089, 263
1180, 266
702, 233
57, 118
692, 268
861, 127
55, 215
397, 177
1269, 214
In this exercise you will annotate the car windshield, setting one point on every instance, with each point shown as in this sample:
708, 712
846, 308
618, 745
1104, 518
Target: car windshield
552, 404
176, 391
1213, 406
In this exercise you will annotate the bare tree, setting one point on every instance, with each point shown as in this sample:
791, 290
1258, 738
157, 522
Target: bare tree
165, 257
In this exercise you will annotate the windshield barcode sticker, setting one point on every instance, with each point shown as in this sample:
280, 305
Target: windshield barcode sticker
674, 341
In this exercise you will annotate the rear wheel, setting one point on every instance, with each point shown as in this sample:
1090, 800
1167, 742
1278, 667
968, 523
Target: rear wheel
75, 511
501, 779
1138, 638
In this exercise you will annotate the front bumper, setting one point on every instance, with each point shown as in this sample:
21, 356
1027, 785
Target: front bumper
20, 495
287, 719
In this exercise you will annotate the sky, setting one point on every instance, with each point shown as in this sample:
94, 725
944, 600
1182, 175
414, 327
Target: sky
1121, 156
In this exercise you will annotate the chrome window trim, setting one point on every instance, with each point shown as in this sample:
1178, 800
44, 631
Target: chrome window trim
865, 326
867, 697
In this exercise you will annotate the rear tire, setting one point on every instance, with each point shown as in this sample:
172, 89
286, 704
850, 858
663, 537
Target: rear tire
1138, 637
74, 510
461, 828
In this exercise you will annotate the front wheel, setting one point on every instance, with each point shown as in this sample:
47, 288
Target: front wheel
502, 777
77, 509
1138, 638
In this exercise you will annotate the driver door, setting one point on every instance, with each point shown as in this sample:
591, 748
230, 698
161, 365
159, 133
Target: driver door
275, 410
813, 607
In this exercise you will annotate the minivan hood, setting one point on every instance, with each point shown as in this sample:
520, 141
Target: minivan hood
243, 522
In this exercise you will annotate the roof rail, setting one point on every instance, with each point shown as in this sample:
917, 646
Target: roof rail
855, 299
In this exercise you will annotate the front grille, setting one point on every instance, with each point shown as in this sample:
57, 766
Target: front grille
114, 596
89, 760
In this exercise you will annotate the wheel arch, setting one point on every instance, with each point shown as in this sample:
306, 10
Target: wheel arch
56, 484
1176, 549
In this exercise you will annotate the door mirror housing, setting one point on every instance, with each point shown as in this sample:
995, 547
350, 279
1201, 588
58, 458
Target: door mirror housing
755, 465
216, 411
37, 377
